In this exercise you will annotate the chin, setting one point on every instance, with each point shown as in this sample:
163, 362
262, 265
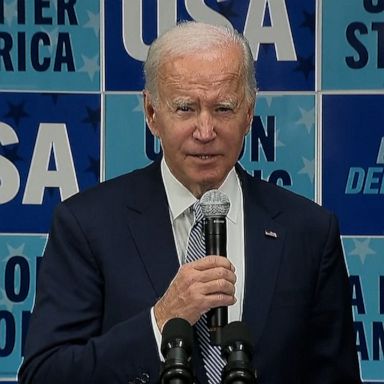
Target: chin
207, 183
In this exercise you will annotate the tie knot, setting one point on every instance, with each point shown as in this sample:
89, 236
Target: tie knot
198, 213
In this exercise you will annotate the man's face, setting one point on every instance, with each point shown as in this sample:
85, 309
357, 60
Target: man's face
201, 116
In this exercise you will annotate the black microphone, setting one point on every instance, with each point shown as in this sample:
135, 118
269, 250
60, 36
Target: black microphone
176, 347
215, 207
237, 349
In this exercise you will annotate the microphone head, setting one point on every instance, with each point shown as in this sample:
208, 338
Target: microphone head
237, 335
177, 332
214, 203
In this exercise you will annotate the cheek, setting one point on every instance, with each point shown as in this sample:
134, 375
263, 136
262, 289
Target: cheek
172, 141
234, 140
176, 134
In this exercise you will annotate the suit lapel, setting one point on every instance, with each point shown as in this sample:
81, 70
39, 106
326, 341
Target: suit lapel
150, 225
264, 239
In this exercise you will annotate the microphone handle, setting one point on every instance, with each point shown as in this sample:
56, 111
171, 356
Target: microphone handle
215, 229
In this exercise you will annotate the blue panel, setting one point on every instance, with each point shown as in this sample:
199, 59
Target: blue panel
55, 130
353, 161
19, 259
353, 44
364, 256
281, 145
124, 63
48, 46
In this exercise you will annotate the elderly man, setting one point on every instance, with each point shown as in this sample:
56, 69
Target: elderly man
116, 265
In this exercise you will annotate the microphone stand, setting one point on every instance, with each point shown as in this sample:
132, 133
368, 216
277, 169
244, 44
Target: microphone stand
237, 350
176, 347
175, 373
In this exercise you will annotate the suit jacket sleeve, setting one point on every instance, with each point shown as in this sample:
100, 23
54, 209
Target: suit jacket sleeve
68, 339
332, 357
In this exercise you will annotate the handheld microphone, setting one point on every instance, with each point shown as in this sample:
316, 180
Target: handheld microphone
176, 347
215, 207
237, 349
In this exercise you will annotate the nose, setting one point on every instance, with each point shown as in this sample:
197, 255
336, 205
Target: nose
205, 127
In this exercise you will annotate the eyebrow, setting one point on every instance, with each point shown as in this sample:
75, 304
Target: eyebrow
228, 103
180, 102
183, 102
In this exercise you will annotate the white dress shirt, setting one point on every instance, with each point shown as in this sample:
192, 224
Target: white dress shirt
180, 199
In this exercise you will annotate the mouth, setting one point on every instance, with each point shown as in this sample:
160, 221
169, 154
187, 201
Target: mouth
204, 157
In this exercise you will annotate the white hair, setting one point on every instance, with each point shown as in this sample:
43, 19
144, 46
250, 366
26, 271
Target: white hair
190, 36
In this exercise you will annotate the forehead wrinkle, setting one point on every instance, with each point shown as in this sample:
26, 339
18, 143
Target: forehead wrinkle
229, 83
206, 85
173, 73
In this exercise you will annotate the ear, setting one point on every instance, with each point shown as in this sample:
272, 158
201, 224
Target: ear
150, 112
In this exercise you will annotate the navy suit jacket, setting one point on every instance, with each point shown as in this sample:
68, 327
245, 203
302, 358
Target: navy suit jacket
111, 255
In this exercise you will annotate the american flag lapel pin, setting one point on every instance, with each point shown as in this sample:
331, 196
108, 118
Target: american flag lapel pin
270, 234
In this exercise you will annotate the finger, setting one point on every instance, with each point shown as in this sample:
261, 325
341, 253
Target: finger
213, 261
219, 300
216, 287
216, 274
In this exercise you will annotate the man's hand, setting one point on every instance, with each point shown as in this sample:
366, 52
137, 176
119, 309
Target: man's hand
197, 287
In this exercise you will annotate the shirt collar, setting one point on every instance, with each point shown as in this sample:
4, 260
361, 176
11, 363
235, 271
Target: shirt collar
180, 198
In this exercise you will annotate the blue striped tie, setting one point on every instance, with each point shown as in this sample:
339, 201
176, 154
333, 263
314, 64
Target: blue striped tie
213, 361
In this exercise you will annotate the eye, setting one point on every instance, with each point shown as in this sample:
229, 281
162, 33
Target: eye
224, 108
183, 108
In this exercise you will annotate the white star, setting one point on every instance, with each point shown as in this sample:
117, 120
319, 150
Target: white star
10, 12
307, 118
5, 302
278, 142
93, 22
139, 106
14, 252
308, 169
362, 249
91, 65
268, 100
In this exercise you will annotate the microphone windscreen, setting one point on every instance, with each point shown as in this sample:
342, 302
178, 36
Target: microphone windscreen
177, 330
214, 203
237, 332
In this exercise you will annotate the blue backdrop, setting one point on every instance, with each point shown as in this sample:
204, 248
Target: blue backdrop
71, 115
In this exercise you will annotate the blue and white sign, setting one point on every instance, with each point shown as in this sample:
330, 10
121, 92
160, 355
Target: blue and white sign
20, 256
281, 35
353, 161
281, 145
365, 259
49, 150
50, 45
353, 44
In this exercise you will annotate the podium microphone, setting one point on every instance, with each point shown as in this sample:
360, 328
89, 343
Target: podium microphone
237, 350
215, 207
176, 347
